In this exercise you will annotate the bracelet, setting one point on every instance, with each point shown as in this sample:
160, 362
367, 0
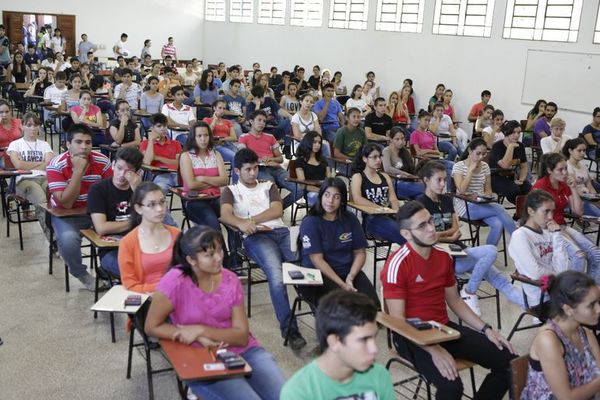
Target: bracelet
485, 327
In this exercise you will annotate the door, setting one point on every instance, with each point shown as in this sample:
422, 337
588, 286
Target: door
66, 24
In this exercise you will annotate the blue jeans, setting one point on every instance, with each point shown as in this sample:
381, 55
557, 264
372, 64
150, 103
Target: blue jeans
495, 216
312, 198
166, 181
280, 176
480, 262
409, 189
269, 250
204, 212
68, 238
590, 208
592, 253
329, 130
449, 148
264, 383
384, 227
227, 151
110, 262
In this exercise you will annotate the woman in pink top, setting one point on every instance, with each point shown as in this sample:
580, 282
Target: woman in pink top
223, 130
203, 172
10, 129
448, 108
204, 305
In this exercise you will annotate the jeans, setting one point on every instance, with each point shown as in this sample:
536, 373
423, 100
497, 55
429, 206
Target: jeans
472, 346
409, 189
312, 198
66, 231
506, 186
166, 181
110, 262
383, 227
329, 130
264, 383
495, 216
283, 127
592, 253
280, 176
204, 212
480, 262
269, 250
589, 208
227, 151
448, 147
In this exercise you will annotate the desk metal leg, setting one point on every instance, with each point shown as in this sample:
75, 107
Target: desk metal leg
50, 260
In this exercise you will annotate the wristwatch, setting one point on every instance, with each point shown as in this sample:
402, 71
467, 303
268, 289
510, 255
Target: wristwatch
485, 328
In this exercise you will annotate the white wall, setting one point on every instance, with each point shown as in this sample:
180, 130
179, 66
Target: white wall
467, 65
104, 21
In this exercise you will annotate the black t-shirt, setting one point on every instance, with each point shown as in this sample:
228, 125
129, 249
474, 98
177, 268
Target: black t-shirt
129, 129
498, 151
302, 86
312, 172
313, 82
440, 212
275, 81
379, 125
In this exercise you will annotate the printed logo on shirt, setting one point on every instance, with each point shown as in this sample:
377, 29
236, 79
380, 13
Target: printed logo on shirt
370, 395
378, 195
419, 279
306, 242
346, 237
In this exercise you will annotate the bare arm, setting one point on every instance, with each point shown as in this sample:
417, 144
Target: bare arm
104, 227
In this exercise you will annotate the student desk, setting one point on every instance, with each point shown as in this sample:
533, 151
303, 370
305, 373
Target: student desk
372, 210
407, 177
189, 196
98, 242
114, 302
345, 162
22, 87
421, 338
189, 361
6, 174
61, 213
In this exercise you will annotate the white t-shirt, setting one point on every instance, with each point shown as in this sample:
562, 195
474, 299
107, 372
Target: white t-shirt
305, 125
57, 44
55, 95
185, 115
497, 137
548, 144
30, 152
581, 174
361, 104
47, 63
122, 49
443, 126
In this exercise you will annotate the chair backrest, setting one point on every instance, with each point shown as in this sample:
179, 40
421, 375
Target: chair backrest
520, 205
518, 376
292, 169
139, 320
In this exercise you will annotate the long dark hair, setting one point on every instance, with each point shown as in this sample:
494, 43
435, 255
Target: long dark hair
340, 185
358, 165
22, 65
473, 144
191, 144
305, 147
549, 161
136, 199
534, 200
508, 127
197, 239
204, 85
571, 145
354, 89
567, 288
408, 163
536, 108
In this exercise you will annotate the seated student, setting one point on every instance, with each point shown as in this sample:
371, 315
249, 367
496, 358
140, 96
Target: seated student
356, 101
270, 158
160, 151
554, 179
18, 71
484, 120
277, 118
574, 152
10, 128
438, 97
39, 84
33, 154
332, 241
479, 260
70, 176
128, 90
314, 81
591, 133
346, 330
305, 120
509, 156
282, 88
205, 91
56, 93
372, 188
329, 111
31, 57
123, 130
200, 303
493, 133
180, 116
289, 102
91, 115
443, 129
71, 98
340, 86
189, 77
233, 74
378, 123
564, 356
152, 101
155, 72
398, 111
557, 139
146, 251
168, 82
472, 175
541, 129
202, 171
222, 129
108, 202
236, 106
263, 81
534, 114
74, 69
254, 208
478, 108
418, 281
350, 138
310, 164
303, 86
398, 162
118, 70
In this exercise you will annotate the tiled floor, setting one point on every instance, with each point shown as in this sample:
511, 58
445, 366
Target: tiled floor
54, 348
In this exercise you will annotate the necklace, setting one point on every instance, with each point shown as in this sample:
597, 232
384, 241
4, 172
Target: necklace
155, 246
34, 149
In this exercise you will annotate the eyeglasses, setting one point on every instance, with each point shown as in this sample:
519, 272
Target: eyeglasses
423, 225
162, 203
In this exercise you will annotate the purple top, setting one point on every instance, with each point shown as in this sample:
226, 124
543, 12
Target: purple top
192, 305
540, 126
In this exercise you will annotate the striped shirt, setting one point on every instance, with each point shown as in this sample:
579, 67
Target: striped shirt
170, 50
60, 171
476, 185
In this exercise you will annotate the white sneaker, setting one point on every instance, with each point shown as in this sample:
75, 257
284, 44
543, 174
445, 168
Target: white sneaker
471, 300
536, 320
191, 395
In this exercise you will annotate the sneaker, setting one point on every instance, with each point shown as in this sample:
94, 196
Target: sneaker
191, 395
536, 320
471, 300
296, 341
88, 281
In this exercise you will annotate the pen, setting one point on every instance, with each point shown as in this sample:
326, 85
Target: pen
441, 327
212, 355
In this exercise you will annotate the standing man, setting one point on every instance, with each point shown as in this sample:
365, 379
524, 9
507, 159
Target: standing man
477, 109
84, 47
169, 49
70, 176
4, 48
329, 112
120, 48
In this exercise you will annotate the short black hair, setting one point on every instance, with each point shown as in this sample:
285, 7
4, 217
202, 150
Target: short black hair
126, 71
258, 91
486, 93
234, 81
406, 212
124, 35
244, 156
256, 113
552, 104
339, 312
377, 100
131, 156
159, 118
176, 89
78, 129
233, 68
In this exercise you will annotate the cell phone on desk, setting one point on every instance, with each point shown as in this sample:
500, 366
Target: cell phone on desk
455, 247
295, 274
230, 359
133, 300
419, 324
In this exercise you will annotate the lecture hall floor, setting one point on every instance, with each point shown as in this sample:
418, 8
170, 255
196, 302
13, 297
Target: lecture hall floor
54, 349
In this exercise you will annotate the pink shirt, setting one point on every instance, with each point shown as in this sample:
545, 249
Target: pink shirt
262, 145
220, 130
192, 305
425, 140
155, 265
206, 167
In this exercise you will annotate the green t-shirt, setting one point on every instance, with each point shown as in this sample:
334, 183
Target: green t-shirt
311, 383
349, 142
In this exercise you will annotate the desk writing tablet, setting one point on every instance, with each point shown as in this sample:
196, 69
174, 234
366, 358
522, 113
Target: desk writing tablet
446, 247
114, 301
64, 212
421, 338
372, 210
312, 276
97, 240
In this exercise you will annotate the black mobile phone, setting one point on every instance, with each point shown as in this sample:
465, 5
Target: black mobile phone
296, 274
231, 360
455, 247
133, 300
419, 324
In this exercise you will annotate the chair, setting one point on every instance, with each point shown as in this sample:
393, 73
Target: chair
293, 177
518, 376
537, 311
483, 294
138, 322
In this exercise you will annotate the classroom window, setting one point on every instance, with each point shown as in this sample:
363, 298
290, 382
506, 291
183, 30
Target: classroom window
554, 20
215, 10
597, 30
241, 10
306, 13
463, 17
399, 15
271, 12
349, 14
